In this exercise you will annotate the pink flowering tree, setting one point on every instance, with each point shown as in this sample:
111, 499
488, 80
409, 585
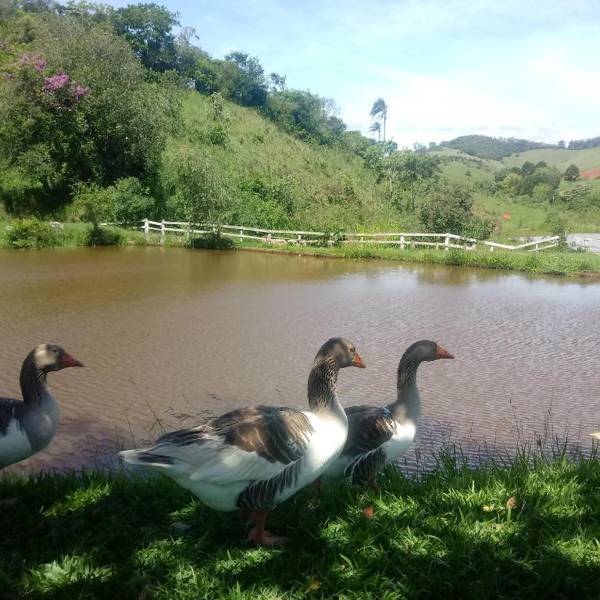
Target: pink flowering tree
78, 111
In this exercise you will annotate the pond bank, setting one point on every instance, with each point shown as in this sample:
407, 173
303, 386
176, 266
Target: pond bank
549, 262
529, 529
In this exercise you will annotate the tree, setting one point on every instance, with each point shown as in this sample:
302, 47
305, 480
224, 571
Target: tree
78, 110
196, 190
243, 80
548, 175
379, 112
410, 172
527, 168
571, 173
148, 29
376, 128
542, 192
511, 184
447, 209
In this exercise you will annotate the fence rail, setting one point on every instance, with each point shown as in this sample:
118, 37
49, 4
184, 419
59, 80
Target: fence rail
284, 236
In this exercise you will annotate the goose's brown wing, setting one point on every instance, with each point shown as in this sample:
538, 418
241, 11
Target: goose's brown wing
277, 434
368, 428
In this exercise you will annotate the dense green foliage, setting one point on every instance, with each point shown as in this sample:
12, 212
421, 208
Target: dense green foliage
30, 233
75, 111
582, 144
485, 146
571, 173
528, 530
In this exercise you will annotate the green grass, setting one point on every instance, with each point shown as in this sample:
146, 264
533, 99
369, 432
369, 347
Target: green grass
529, 219
549, 262
74, 235
449, 534
555, 157
329, 185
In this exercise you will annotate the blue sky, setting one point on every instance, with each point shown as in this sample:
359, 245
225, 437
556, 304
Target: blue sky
445, 67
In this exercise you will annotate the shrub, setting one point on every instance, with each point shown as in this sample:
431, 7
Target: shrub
126, 202
101, 236
31, 233
196, 189
447, 209
542, 192
557, 227
478, 228
571, 173
212, 241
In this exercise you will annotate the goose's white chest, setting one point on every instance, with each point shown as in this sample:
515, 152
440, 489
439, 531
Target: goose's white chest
401, 441
14, 445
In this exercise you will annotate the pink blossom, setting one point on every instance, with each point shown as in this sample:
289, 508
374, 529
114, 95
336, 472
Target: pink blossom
36, 60
79, 91
56, 82
40, 63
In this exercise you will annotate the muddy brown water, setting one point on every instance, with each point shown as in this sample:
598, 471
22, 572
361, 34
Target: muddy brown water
171, 335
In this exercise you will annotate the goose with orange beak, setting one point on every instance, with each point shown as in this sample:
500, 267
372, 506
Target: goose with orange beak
379, 435
253, 459
28, 426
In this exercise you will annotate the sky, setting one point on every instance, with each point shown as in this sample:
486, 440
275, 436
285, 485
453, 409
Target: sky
509, 68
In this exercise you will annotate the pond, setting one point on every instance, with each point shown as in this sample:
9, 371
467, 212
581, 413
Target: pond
171, 335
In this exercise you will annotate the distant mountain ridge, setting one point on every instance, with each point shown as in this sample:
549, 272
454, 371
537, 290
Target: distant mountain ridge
493, 148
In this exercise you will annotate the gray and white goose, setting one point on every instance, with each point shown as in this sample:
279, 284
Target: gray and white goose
252, 459
28, 426
379, 435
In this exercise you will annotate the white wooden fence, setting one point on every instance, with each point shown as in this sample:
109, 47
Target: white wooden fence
282, 236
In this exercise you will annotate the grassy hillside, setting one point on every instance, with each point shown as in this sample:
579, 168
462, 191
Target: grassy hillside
515, 217
559, 158
325, 184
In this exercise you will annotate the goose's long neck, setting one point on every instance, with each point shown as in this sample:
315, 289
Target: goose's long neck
322, 382
33, 382
408, 402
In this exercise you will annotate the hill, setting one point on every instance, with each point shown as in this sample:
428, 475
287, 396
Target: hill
492, 148
560, 158
272, 177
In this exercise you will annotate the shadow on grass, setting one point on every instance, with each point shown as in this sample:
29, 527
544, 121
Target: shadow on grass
451, 534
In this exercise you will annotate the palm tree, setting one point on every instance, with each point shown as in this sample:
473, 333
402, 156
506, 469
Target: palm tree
376, 127
379, 112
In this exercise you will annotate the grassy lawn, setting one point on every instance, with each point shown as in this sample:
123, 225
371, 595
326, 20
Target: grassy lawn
518, 532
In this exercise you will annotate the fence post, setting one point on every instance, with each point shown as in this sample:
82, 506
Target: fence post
401, 242
146, 227
447, 243
491, 248
162, 231
299, 240
241, 234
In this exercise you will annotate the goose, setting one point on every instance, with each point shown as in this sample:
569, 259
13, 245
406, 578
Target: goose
28, 426
255, 458
378, 435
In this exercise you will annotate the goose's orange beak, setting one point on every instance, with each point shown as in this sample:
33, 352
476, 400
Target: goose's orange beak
69, 361
442, 352
358, 361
